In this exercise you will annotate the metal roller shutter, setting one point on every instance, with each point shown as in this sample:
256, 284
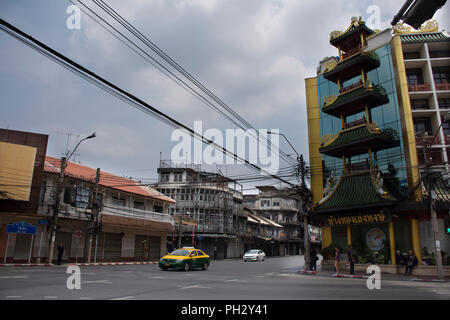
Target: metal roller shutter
151, 250
111, 246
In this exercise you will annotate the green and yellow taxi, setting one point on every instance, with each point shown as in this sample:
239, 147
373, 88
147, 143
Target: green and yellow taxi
186, 258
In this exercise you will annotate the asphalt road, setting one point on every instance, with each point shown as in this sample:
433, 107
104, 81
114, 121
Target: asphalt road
273, 279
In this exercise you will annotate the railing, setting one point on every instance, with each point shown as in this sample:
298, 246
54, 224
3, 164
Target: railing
352, 86
428, 140
355, 123
137, 214
442, 86
419, 87
360, 166
352, 52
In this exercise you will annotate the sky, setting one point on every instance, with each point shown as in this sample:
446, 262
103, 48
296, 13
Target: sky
254, 55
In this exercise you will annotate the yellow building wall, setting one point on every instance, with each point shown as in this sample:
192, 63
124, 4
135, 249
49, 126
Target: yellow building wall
16, 170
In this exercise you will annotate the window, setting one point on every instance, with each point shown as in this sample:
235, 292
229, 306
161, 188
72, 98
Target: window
422, 125
411, 55
446, 128
118, 202
414, 76
439, 54
441, 74
139, 205
165, 177
265, 203
444, 103
158, 208
43, 188
419, 104
276, 203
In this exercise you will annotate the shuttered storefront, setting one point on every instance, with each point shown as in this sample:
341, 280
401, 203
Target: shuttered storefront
109, 247
147, 248
66, 239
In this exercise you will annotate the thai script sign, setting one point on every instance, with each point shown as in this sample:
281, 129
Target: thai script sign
356, 219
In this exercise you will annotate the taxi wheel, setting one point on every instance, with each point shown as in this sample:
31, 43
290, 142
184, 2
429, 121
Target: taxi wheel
187, 266
205, 266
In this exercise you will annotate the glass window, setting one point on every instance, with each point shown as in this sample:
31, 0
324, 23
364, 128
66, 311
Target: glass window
411, 55
441, 74
414, 76
422, 125
444, 103
419, 104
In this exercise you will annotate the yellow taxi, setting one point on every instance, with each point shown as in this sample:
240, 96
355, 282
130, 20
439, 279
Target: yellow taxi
185, 258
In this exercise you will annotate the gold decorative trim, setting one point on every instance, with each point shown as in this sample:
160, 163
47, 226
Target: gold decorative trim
329, 100
355, 22
330, 65
427, 26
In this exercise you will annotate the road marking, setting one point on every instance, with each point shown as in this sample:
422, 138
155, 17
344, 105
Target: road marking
97, 281
13, 277
159, 277
86, 298
124, 298
447, 292
197, 286
13, 297
50, 297
235, 280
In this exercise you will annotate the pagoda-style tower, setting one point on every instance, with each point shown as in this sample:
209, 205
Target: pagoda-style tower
360, 185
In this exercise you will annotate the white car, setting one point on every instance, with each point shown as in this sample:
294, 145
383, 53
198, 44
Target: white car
254, 255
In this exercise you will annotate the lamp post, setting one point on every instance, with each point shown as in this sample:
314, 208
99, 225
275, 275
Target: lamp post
301, 167
64, 161
434, 221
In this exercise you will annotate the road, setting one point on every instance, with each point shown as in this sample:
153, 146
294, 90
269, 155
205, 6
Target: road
273, 279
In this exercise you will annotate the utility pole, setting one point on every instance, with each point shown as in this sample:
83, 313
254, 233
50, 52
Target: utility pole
179, 231
94, 207
56, 210
305, 216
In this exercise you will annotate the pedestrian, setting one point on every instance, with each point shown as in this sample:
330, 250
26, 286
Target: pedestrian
60, 250
399, 258
337, 257
351, 259
313, 259
411, 262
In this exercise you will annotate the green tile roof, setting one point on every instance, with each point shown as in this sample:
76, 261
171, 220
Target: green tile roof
351, 67
424, 37
353, 102
349, 32
358, 140
352, 191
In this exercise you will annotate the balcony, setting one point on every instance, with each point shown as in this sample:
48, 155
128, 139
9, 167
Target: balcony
353, 51
128, 212
442, 86
355, 123
429, 140
419, 87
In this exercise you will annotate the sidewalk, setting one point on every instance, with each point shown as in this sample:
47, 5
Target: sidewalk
392, 277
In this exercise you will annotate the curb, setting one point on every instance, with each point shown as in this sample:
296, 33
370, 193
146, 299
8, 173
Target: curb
26, 265
338, 275
309, 272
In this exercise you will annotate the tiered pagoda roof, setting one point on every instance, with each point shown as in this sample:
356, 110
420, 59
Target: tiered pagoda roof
351, 67
356, 190
354, 100
357, 140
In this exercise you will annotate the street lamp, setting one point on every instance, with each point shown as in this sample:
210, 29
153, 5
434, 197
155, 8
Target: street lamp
434, 221
301, 166
58, 191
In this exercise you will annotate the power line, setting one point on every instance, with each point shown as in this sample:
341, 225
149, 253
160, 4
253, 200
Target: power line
118, 92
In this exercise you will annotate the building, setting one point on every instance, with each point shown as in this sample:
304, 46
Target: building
282, 207
364, 109
135, 218
209, 203
22, 156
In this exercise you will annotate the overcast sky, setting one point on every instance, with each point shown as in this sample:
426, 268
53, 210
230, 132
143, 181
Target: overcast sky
253, 54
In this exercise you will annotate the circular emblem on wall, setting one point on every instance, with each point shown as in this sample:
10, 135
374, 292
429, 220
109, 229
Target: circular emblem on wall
375, 238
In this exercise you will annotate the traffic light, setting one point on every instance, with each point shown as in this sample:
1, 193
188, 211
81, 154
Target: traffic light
447, 224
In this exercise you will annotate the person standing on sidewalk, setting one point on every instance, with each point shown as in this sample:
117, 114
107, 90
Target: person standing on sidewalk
337, 257
313, 259
351, 259
60, 250
411, 262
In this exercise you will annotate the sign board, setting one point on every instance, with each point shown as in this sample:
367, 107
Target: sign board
21, 227
361, 218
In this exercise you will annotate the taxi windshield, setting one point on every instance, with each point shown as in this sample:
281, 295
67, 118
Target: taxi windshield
180, 252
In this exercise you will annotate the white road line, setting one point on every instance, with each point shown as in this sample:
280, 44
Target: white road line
235, 280
96, 281
159, 277
124, 298
13, 277
86, 298
13, 297
50, 297
197, 286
